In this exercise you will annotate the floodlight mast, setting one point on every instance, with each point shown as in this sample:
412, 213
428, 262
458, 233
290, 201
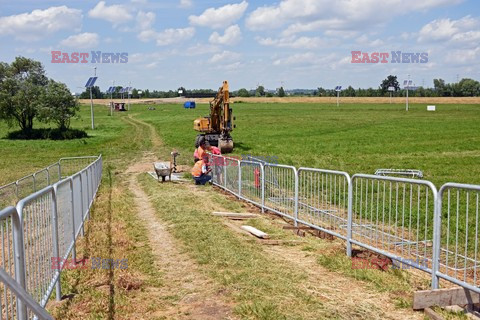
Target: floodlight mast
91, 98
111, 99
406, 84
128, 94
391, 89
338, 89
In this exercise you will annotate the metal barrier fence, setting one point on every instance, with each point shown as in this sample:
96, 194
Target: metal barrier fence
407, 220
39, 234
457, 245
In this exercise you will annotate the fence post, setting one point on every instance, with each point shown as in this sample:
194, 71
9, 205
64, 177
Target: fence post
262, 171
19, 248
437, 226
82, 210
34, 183
225, 173
295, 212
59, 171
56, 251
239, 178
48, 176
72, 206
349, 216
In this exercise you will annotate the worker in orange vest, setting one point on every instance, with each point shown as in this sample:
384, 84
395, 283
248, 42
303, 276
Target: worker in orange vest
203, 146
200, 171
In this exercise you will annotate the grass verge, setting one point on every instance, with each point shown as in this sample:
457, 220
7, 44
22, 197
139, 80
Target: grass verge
112, 232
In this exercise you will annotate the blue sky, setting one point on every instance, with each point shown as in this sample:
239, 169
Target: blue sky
198, 44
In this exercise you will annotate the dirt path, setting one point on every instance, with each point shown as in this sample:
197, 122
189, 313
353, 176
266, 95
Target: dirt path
187, 292
198, 297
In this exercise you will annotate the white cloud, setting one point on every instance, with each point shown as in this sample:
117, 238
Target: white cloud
464, 31
365, 41
224, 57
39, 23
186, 3
293, 42
167, 36
81, 41
145, 20
296, 59
310, 59
231, 36
220, 17
311, 15
115, 14
200, 49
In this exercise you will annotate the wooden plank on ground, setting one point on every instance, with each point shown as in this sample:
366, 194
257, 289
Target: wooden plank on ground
257, 233
444, 297
432, 314
235, 215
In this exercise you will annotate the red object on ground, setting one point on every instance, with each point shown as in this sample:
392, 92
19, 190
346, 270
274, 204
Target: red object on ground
256, 172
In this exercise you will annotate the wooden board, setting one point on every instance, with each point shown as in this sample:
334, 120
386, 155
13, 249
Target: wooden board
235, 216
429, 313
444, 297
257, 233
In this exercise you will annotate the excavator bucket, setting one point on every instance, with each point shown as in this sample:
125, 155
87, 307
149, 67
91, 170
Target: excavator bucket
225, 145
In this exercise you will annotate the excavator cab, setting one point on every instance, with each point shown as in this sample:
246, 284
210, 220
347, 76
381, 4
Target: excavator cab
217, 126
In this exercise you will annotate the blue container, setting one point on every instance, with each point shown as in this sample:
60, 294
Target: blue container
189, 105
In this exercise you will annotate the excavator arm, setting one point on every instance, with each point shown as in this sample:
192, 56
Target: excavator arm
219, 124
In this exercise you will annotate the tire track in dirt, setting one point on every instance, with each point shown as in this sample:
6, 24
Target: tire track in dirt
187, 294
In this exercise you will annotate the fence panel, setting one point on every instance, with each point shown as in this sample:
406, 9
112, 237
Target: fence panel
37, 213
63, 192
281, 185
231, 173
8, 195
41, 179
323, 200
457, 247
394, 217
72, 165
54, 172
78, 202
25, 186
8, 303
217, 163
251, 188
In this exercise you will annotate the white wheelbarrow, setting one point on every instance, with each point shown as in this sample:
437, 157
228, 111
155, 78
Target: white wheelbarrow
163, 169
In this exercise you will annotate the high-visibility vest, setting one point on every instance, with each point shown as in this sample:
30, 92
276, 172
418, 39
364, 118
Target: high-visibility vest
200, 152
197, 168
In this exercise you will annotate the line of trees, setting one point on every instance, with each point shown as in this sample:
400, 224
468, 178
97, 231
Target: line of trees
464, 88
27, 94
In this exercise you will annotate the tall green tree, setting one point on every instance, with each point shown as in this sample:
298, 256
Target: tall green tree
281, 92
22, 84
58, 105
390, 81
243, 93
440, 87
260, 92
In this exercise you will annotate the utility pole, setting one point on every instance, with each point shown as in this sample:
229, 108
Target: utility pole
91, 99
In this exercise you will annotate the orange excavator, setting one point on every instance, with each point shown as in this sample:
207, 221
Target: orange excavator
216, 127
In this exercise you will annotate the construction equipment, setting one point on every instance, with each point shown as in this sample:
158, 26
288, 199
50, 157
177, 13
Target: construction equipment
217, 126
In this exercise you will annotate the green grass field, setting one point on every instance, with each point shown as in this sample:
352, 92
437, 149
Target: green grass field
444, 144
